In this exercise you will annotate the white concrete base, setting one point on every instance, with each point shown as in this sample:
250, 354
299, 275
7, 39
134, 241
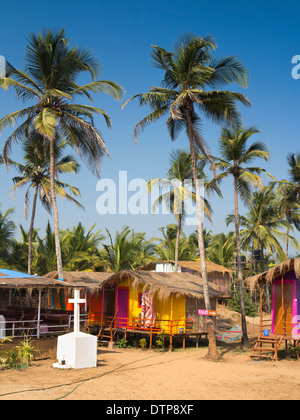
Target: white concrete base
76, 350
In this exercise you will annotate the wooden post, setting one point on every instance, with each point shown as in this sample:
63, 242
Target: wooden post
171, 336
151, 336
39, 313
261, 307
102, 308
116, 308
282, 304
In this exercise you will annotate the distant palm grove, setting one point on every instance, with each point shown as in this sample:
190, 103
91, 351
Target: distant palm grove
195, 88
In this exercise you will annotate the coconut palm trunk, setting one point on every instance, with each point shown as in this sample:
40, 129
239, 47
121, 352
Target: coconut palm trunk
31, 230
213, 350
245, 341
55, 209
287, 239
179, 222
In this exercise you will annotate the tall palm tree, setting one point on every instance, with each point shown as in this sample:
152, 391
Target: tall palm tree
177, 192
50, 84
235, 156
262, 227
185, 92
35, 174
288, 194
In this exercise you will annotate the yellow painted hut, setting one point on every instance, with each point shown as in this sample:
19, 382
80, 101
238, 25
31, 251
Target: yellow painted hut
144, 302
172, 299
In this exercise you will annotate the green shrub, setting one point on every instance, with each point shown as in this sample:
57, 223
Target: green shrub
122, 343
20, 356
291, 353
160, 341
143, 343
251, 308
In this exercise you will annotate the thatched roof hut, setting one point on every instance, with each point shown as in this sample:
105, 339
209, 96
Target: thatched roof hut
213, 270
16, 279
275, 272
165, 284
90, 280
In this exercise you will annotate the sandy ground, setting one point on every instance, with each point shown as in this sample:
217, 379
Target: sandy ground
128, 374
134, 374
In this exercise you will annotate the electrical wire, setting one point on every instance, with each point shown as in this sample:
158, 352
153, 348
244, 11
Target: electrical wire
82, 381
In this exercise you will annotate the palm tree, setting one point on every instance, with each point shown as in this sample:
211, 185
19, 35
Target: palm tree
235, 155
80, 248
50, 84
288, 194
190, 74
46, 260
207, 237
34, 174
168, 246
7, 229
19, 251
221, 249
127, 252
177, 192
261, 228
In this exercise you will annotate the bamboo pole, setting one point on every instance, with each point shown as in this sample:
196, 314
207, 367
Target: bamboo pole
261, 308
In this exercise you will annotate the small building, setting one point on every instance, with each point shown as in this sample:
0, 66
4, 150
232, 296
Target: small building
218, 275
26, 302
144, 302
284, 324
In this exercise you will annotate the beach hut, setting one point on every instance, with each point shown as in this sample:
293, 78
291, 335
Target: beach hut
284, 323
144, 302
91, 286
218, 275
25, 301
151, 302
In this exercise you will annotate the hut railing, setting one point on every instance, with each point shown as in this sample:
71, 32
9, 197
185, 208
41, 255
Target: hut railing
156, 325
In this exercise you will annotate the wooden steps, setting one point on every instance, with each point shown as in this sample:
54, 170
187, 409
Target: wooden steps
266, 348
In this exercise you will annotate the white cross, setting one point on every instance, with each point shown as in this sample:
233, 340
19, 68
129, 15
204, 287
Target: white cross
76, 302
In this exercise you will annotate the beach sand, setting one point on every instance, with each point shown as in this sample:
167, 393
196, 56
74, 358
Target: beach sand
136, 374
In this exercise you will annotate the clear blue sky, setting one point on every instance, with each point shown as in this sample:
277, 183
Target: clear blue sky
263, 35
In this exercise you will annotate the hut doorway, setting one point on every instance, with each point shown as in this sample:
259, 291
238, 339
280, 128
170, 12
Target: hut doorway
283, 308
109, 302
122, 305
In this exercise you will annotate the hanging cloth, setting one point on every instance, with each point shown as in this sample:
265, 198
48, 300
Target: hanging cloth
148, 315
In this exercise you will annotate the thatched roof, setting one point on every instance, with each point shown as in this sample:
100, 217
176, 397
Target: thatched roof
213, 270
15, 279
275, 272
90, 280
165, 284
